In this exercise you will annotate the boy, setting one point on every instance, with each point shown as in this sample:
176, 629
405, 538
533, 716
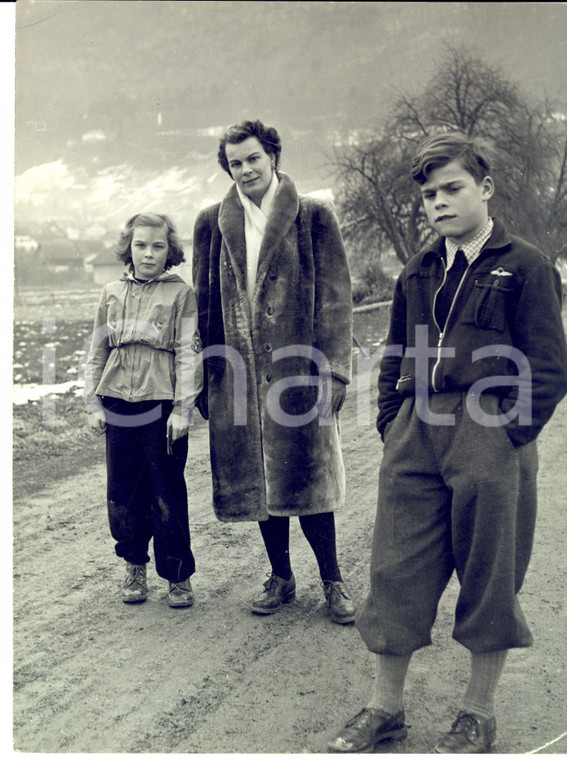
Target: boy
475, 366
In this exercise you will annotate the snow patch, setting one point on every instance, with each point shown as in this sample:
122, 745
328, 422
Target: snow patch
21, 394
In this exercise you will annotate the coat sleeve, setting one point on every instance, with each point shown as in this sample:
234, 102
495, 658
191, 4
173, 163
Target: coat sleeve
187, 347
97, 356
200, 267
389, 398
202, 236
539, 334
333, 296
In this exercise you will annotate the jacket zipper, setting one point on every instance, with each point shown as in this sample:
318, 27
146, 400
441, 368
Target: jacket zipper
443, 333
134, 345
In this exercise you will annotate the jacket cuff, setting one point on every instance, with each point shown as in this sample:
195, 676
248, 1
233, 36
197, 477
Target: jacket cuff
93, 404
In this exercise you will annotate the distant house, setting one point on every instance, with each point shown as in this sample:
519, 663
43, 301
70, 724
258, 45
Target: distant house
90, 249
25, 244
51, 230
106, 267
95, 231
25, 241
61, 254
73, 233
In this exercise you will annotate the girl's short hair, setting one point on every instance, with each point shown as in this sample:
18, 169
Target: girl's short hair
440, 149
266, 136
175, 253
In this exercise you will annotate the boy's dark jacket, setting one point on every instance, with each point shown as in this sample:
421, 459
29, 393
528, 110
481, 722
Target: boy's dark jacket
511, 297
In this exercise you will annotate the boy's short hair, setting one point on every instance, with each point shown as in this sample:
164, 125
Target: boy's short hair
267, 137
175, 253
440, 149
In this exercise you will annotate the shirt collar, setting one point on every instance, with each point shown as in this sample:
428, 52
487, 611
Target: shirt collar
470, 249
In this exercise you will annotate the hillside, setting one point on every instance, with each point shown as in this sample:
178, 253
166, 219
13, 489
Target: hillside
119, 104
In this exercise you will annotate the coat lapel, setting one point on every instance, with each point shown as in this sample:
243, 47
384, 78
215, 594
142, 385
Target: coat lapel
231, 226
282, 216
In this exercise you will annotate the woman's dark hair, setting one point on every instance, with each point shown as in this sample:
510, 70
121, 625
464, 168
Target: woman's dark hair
175, 253
266, 136
438, 150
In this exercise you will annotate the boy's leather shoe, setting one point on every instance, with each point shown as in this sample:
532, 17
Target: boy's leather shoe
469, 734
134, 588
277, 591
368, 728
180, 594
339, 602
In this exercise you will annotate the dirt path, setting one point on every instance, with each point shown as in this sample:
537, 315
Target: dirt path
95, 675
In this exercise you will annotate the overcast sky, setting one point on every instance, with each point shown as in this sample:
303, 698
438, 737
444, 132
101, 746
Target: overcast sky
113, 95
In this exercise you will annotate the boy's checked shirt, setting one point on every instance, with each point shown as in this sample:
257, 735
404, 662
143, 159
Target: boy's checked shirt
470, 249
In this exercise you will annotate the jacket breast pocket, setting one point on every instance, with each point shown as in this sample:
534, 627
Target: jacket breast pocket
159, 326
114, 314
488, 305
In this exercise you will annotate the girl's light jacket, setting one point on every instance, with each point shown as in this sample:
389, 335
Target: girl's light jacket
145, 344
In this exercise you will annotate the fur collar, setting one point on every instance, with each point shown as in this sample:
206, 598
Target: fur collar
231, 224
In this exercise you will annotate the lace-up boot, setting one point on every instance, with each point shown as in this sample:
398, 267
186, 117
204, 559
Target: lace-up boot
277, 591
134, 588
180, 594
368, 728
339, 602
469, 735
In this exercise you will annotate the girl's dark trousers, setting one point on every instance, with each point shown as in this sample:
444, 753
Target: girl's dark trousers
146, 489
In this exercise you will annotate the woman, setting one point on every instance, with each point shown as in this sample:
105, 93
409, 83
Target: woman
275, 317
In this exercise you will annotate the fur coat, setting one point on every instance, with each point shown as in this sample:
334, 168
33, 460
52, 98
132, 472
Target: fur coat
271, 452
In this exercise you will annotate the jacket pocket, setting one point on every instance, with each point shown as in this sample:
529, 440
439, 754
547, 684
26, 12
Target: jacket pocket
158, 327
114, 318
489, 299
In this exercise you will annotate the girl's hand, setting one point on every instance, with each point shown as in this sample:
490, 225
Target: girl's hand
177, 426
97, 421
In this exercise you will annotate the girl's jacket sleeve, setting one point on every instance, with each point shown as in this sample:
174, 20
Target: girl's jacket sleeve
96, 357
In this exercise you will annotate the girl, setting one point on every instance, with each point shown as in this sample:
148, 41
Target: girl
142, 376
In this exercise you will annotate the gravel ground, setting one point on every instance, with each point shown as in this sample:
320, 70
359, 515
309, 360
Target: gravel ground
92, 675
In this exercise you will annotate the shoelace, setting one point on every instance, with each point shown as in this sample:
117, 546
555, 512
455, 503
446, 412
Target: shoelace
466, 724
360, 720
135, 575
270, 582
179, 587
334, 588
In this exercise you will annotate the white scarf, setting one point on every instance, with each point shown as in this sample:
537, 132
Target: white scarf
255, 220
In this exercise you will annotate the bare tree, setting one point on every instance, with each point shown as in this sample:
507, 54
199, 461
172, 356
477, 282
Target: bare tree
379, 203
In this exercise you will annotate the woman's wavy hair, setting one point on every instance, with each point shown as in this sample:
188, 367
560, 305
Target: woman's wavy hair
267, 137
175, 253
438, 150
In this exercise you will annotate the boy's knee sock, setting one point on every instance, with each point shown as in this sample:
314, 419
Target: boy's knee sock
486, 669
388, 690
